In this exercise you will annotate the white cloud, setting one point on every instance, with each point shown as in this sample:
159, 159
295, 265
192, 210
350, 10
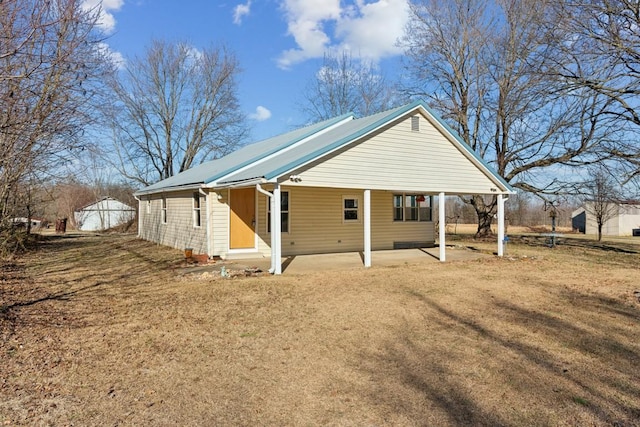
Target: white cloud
369, 30
241, 10
114, 56
106, 20
261, 114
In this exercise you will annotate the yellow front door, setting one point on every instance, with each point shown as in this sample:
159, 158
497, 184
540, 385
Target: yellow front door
243, 219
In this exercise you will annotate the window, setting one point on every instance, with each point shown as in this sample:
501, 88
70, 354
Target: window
196, 210
350, 209
411, 207
284, 213
164, 210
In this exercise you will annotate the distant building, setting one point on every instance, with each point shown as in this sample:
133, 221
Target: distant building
625, 219
23, 221
104, 214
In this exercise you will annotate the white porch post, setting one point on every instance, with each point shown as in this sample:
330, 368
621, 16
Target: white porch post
500, 225
367, 228
276, 251
441, 221
272, 227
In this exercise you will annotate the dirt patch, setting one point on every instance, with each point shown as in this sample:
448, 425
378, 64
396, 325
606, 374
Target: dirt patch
104, 330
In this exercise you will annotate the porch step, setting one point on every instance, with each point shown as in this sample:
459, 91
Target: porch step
248, 255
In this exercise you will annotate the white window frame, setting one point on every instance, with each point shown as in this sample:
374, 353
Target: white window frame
404, 207
282, 212
197, 210
163, 210
344, 209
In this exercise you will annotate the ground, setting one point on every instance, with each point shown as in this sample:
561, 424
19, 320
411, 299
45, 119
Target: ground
110, 330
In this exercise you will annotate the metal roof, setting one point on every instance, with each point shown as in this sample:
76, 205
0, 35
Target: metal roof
277, 156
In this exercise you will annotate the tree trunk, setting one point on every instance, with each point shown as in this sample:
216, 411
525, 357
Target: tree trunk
485, 209
599, 232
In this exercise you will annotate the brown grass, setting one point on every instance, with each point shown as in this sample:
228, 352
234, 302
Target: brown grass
108, 330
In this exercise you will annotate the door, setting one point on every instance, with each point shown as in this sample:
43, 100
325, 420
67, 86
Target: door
243, 219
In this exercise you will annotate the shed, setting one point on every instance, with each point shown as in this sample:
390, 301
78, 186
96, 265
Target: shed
344, 184
103, 214
624, 219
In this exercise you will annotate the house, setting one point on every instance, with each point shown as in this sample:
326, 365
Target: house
103, 214
344, 184
623, 218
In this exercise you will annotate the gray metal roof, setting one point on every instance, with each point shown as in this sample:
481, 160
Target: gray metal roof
210, 171
282, 154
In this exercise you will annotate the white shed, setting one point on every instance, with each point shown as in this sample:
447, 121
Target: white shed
624, 219
103, 214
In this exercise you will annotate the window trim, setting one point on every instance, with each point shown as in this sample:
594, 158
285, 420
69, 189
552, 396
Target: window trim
163, 210
197, 210
344, 209
404, 207
282, 212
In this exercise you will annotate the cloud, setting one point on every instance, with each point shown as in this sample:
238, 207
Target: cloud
261, 114
241, 10
115, 57
106, 20
369, 30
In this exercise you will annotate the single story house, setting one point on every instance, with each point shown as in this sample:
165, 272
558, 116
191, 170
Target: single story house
103, 214
344, 184
623, 219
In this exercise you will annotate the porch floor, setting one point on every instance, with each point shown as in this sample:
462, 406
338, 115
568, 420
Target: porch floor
303, 264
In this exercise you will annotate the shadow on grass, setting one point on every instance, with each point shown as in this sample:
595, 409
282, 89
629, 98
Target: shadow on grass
531, 359
71, 268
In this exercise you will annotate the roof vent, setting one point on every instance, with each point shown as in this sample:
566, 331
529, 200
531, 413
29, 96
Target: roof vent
415, 123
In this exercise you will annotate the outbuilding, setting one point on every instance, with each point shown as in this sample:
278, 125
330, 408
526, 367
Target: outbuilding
341, 185
622, 219
103, 214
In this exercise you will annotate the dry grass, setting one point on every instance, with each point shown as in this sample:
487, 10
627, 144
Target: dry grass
109, 331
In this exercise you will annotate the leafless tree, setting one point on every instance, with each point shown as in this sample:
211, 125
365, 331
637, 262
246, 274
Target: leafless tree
602, 198
175, 107
604, 56
484, 66
51, 63
345, 84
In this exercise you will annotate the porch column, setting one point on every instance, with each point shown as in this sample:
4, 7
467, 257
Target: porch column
272, 227
367, 228
441, 220
276, 251
500, 225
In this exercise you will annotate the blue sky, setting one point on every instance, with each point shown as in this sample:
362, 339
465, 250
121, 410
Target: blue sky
279, 43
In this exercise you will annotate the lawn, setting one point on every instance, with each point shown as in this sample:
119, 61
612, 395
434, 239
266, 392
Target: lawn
110, 330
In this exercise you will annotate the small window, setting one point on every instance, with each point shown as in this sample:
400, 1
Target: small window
412, 207
398, 207
196, 210
284, 213
350, 209
164, 210
415, 123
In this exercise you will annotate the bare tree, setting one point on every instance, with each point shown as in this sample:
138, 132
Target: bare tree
51, 65
345, 84
604, 56
484, 65
175, 107
51, 62
602, 198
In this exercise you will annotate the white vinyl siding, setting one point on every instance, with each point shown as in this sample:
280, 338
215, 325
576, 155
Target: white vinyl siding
400, 159
178, 231
317, 224
220, 223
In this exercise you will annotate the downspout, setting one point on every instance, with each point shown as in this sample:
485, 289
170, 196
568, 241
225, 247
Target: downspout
208, 204
139, 215
273, 234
